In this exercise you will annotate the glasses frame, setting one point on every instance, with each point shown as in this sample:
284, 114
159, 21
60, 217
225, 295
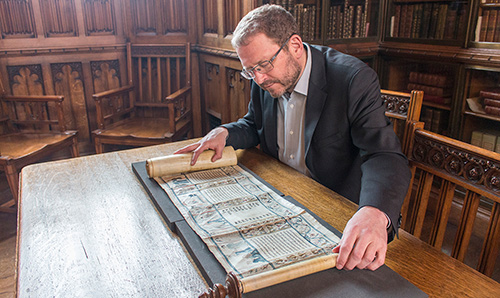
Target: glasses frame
249, 74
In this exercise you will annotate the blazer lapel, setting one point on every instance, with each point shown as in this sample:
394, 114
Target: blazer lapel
316, 96
270, 118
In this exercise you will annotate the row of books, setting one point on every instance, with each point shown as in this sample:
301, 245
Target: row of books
491, 101
435, 120
305, 16
488, 25
437, 87
348, 21
433, 20
488, 140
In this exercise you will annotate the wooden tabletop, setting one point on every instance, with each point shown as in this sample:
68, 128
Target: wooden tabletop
87, 228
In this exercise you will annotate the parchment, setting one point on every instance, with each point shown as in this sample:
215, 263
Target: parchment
248, 227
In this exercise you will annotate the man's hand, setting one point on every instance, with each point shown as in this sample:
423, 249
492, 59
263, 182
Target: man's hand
364, 241
215, 140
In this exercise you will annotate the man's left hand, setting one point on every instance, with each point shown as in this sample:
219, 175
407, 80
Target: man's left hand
364, 241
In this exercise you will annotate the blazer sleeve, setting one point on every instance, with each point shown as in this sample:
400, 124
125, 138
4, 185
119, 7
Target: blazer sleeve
385, 172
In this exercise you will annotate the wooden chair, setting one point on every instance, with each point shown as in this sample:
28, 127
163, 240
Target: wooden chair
402, 108
155, 107
444, 169
34, 128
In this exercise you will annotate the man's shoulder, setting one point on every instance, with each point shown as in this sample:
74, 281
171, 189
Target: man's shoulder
335, 57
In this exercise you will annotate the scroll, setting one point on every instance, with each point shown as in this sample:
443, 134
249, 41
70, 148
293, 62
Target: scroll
259, 238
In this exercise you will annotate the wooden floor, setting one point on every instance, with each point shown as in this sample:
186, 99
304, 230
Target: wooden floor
8, 225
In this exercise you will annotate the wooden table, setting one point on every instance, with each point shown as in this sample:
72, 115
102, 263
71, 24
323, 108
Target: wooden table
87, 228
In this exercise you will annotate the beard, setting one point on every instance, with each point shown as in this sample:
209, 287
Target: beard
278, 86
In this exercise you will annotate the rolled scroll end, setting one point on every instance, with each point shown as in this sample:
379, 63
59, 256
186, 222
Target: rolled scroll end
232, 289
149, 168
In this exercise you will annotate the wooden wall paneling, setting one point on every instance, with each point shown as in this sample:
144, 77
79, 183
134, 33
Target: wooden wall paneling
219, 18
211, 86
73, 74
99, 17
17, 19
238, 89
166, 21
59, 18
63, 24
68, 81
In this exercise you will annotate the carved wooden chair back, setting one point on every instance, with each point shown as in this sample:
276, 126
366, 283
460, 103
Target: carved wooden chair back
35, 129
447, 171
401, 108
155, 106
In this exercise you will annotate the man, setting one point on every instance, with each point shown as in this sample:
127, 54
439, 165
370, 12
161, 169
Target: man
320, 112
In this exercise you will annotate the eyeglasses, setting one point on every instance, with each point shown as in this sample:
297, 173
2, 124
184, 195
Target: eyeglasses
264, 66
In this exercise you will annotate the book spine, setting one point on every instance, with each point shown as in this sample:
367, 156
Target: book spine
489, 94
492, 102
429, 90
476, 138
492, 110
490, 29
484, 25
397, 20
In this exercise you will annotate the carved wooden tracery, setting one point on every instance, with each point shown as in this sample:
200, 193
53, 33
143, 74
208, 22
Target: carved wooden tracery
17, 19
99, 17
396, 104
463, 165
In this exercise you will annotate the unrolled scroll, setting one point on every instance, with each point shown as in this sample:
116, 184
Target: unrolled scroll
181, 163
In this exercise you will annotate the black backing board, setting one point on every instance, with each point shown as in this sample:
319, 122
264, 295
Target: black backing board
383, 282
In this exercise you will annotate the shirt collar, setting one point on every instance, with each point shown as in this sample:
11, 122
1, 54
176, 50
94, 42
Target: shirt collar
303, 83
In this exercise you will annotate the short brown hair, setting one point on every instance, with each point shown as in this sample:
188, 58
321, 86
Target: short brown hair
272, 20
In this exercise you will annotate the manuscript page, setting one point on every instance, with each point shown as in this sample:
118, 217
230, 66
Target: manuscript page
247, 226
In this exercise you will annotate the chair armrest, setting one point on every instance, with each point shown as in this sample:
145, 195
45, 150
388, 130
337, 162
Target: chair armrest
178, 93
113, 92
33, 98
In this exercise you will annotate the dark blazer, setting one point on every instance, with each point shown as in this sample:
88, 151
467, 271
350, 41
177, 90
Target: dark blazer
350, 145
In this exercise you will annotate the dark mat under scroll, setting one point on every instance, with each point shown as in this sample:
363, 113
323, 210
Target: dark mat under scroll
383, 282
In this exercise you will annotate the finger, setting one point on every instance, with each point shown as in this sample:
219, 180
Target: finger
379, 260
218, 153
345, 247
357, 253
368, 257
196, 154
187, 148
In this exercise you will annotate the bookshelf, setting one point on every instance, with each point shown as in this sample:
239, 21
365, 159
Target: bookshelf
428, 21
487, 24
481, 109
334, 21
437, 80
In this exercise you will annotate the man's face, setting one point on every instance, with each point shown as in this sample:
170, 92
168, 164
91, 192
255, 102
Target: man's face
286, 71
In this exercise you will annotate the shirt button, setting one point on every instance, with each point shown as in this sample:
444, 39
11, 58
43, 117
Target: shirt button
292, 105
291, 132
291, 156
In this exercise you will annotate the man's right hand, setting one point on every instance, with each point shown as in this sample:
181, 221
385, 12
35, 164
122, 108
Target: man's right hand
215, 140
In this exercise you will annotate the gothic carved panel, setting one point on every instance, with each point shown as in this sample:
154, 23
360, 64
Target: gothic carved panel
59, 18
99, 16
212, 91
233, 12
105, 75
26, 79
210, 16
159, 50
159, 17
174, 16
238, 93
464, 165
144, 16
68, 81
17, 19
